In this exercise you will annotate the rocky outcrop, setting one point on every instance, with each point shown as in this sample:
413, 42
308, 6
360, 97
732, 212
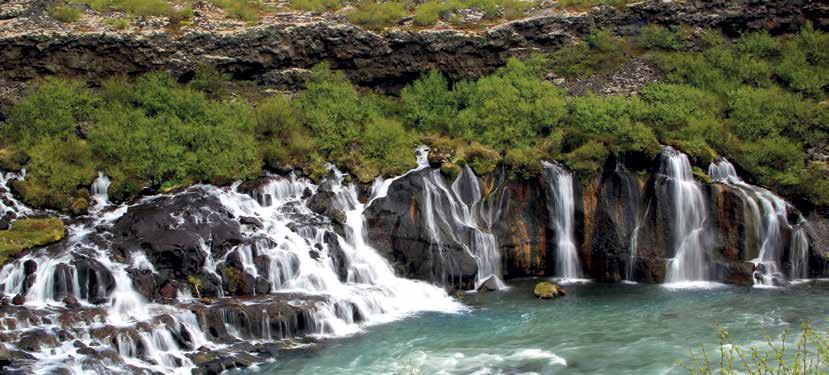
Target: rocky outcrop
625, 223
278, 52
413, 227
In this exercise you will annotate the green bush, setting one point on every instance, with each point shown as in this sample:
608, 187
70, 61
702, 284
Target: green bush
429, 12
245, 10
332, 109
51, 108
59, 172
761, 113
660, 37
135, 7
428, 104
510, 107
316, 5
66, 14
600, 52
376, 15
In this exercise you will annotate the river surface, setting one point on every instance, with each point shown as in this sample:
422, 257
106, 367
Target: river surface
596, 329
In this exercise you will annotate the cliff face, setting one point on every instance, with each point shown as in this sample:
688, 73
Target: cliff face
278, 51
625, 229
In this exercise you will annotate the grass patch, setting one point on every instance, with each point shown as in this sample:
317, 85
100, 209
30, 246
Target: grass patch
28, 233
584, 4
316, 5
65, 14
376, 15
807, 354
246, 10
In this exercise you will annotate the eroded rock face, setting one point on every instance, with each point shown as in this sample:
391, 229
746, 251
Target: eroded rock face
399, 227
280, 52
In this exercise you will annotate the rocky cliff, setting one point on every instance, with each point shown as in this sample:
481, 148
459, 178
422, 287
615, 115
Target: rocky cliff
278, 51
625, 228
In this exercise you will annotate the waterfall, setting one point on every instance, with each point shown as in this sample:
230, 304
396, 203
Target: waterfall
484, 245
451, 216
799, 253
768, 215
634, 243
689, 264
99, 189
295, 251
561, 206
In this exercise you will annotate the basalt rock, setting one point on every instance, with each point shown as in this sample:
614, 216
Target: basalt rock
399, 228
176, 232
281, 52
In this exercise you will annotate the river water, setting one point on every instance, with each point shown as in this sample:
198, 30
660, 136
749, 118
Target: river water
596, 329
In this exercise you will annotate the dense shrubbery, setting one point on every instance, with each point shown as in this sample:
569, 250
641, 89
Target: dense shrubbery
721, 97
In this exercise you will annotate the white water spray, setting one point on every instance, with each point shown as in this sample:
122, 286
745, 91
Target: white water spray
561, 207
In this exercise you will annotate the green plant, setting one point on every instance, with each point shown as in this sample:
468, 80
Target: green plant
427, 13
245, 10
118, 23
316, 5
63, 13
196, 283
660, 37
376, 15
28, 233
807, 355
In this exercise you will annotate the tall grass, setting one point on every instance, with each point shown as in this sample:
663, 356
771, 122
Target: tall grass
807, 355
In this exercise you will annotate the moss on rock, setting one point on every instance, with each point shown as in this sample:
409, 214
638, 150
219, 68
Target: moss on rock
28, 233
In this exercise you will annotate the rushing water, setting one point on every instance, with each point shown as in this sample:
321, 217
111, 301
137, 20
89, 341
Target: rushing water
595, 329
561, 206
768, 220
689, 265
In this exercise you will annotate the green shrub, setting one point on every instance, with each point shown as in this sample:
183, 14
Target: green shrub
514, 9
51, 108
211, 81
65, 14
523, 162
600, 52
760, 113
316, 5
376, 15
510, 107
428, 104
118, 23
806, 355
660, 37
483, 160
135, 7
59, 172
245, 10
588, 159
386, 143
332, 109
672, 107
429, 12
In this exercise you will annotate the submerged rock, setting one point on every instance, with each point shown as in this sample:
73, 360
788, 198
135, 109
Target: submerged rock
548, 290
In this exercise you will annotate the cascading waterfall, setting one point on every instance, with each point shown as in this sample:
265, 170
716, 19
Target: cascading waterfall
634, 243
484, 244
99, 189
689, 264
452, 217
299, 248
561, 206
768, 212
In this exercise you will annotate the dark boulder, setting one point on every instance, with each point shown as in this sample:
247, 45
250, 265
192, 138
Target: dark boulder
172, 230
95, 280
398, 228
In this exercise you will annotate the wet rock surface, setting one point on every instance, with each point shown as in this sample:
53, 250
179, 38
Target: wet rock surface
399, 227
